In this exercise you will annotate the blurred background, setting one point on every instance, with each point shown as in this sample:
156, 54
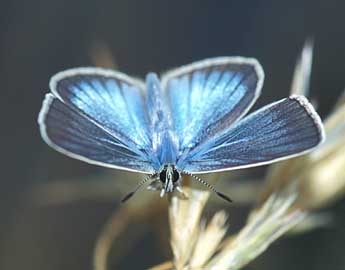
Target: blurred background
40, 38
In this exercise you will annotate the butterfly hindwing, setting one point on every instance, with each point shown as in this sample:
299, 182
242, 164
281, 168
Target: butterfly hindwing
280, 130
93, 111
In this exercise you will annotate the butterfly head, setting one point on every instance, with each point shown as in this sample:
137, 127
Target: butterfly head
169, 178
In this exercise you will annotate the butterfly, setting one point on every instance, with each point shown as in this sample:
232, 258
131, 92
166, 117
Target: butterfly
188, 121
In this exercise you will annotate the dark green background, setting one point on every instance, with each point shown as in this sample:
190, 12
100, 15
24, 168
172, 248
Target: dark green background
40, 38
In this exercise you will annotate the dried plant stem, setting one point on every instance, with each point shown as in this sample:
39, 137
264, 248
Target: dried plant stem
118, 225
301, 77
163, 266
102, 56
114, 227
196, 246
265, 225
184, 216
210, 237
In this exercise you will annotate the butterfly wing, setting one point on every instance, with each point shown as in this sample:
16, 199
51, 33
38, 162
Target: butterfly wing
278, 131
98, 116
207, 96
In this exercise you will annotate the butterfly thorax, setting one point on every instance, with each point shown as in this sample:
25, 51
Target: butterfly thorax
164, 140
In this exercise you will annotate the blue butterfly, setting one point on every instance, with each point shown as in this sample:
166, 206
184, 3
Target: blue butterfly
189, 121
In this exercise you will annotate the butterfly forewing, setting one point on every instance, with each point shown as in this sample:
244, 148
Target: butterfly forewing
207, 96
112, 99
98, 116
280, 130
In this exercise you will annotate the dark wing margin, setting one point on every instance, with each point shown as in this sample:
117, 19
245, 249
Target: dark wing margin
98, 116
281, 130
207, 96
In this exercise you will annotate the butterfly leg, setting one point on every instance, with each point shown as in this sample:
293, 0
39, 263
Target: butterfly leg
156, 184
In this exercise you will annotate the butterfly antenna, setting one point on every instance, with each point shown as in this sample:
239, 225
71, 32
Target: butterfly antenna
129, 195
209, 186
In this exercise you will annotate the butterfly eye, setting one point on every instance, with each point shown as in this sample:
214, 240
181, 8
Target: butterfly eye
176, 176
163, 175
